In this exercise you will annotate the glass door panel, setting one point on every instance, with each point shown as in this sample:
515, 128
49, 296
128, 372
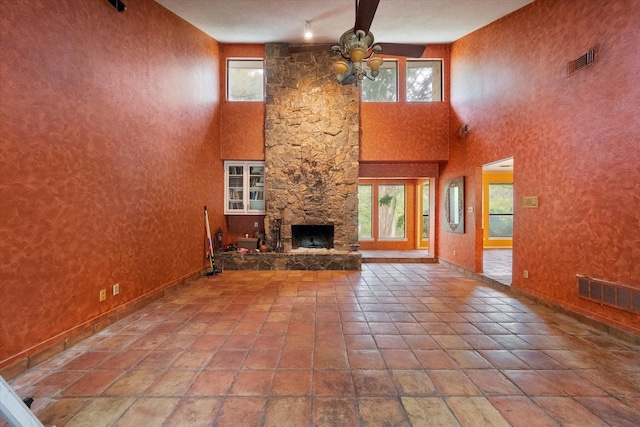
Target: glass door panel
236, 188
391, 211
424, 215
256, 188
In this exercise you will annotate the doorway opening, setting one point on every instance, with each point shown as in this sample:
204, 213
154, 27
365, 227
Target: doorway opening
497, 220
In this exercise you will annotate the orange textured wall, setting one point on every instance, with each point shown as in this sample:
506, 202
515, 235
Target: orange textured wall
242, 124
240, 225
574, 141
241, 135
407, 131
109, 151
398, 170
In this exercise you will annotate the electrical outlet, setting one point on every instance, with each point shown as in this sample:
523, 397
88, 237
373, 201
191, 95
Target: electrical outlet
255, 225
525, 274
103, 295
116, 289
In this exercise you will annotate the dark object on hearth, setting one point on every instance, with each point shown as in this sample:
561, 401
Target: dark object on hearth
262, 245
217, 239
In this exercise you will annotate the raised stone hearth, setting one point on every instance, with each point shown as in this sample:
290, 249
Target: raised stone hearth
294, 260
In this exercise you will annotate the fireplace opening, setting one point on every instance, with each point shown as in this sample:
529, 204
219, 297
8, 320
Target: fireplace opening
312, 236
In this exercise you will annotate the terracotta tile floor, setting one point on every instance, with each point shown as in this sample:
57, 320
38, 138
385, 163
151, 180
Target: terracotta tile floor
394, 344
497, 265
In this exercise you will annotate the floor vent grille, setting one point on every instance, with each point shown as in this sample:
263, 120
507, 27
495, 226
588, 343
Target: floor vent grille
581, 62
609, 293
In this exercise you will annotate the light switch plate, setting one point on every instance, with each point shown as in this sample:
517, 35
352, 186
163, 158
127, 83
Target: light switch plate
530, 202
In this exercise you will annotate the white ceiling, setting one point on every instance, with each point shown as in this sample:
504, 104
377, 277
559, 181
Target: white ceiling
282, 21
505, 165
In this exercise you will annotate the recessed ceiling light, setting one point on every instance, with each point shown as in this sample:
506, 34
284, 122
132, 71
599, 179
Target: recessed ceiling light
308, 34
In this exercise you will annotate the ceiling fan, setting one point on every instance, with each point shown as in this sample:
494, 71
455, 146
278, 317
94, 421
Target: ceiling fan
357, 45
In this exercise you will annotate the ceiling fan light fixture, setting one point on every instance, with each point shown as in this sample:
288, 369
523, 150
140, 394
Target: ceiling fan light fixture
374, 64
357, 54
339, 68
357, 45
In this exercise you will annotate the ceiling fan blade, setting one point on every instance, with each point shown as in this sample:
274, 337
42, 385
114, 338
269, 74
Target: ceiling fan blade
316, 47
400, 49
364, 14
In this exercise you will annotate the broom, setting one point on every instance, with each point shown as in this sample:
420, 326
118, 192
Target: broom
213, 270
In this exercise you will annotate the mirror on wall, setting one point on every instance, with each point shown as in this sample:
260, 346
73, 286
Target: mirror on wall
454, 205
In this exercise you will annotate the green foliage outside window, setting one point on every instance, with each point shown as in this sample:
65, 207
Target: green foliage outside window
424, 81
391, 211
245, 80
385, 87
501, 210
365, 193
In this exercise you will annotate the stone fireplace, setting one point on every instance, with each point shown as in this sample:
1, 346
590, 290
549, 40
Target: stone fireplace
311, 167
311, 147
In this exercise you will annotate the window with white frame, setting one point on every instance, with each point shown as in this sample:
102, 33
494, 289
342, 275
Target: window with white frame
424, 80
245, 81
385, 86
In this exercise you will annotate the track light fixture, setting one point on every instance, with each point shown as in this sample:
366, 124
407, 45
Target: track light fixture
308, 34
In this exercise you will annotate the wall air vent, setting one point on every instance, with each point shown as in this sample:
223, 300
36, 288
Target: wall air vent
609, 293
579, 63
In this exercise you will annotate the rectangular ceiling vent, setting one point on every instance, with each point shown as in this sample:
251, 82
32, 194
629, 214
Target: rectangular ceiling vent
579, 63
609, 293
